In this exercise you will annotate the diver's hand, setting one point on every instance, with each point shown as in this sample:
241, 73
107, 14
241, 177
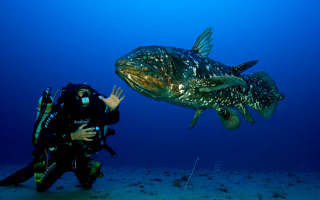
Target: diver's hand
113, 101
83, 134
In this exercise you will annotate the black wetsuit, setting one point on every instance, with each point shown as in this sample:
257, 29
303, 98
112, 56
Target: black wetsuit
69, 155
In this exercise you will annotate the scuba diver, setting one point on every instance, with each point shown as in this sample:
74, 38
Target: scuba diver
72, 132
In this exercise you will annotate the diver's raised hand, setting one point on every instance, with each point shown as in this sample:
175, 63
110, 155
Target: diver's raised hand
114, 99
83, 134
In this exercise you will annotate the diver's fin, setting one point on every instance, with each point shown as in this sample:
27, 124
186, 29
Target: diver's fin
266, 110
216, 83
229, 118
238, 69
203, 45
245, 113
20, 176
195, 118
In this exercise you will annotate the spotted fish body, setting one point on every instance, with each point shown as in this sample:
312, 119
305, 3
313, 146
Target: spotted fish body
190, 79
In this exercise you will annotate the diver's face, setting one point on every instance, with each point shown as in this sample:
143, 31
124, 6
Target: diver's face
83, 90
81, 93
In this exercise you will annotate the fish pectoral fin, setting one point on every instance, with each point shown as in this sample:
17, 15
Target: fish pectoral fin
203, 45
229, 118
216, 83
195, 118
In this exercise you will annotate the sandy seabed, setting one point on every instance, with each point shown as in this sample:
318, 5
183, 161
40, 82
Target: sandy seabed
169, 183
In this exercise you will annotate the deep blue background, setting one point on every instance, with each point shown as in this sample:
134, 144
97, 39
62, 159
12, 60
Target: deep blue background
52, 43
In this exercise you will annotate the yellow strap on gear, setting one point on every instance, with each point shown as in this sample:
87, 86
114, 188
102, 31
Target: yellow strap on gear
94, 165
38, 177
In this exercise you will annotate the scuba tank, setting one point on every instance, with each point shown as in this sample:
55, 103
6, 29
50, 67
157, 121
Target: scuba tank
45, 105
44, 108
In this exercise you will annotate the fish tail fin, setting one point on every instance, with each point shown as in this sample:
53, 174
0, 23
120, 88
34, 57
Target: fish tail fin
266, 93
229, 118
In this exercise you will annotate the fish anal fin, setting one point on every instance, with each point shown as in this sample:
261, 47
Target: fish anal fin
216, 83
229, 118
238, 69
195, 118
202, 45
245, 113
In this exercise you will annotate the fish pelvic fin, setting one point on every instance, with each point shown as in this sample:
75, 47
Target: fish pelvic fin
229, 118
195, 118
216, 83
267, 102
202, 45
245, 113
238, 69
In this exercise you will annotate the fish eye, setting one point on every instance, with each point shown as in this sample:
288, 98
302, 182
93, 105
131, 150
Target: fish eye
144, 57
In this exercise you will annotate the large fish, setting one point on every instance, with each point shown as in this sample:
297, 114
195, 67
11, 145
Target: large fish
188, 78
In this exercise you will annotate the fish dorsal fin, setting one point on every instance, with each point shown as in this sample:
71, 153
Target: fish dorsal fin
238, 69
203, 45
216, 83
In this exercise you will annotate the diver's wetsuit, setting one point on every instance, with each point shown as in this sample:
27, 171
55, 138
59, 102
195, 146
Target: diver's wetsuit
68, 156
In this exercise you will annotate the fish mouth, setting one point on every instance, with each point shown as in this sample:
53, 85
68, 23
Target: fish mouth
133, 76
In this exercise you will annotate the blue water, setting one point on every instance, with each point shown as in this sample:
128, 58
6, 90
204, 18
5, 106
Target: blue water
53, 43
